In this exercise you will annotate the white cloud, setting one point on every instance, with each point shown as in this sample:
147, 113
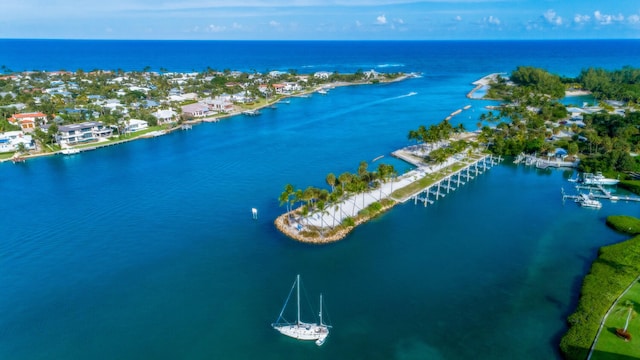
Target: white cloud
492, 20
381, 20
605, 19
634, 19
274, 23
458, 18
581, 18
236, 26
398, 21
552, 18
215, 28
358, 23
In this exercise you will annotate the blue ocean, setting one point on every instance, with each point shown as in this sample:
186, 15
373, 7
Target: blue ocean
148, 250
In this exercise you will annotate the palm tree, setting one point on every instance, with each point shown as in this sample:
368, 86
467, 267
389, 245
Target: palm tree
331, 181
285, 197
628, 307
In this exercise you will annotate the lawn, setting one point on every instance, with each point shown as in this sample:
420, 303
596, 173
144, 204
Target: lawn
610, 346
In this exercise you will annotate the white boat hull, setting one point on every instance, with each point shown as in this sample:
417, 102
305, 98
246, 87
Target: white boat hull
303, 331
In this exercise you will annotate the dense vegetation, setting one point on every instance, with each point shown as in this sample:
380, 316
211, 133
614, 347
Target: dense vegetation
623, 84
532, 120
611, 273
625, 224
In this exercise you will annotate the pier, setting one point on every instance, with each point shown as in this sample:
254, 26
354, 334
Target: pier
449, 183
598, 192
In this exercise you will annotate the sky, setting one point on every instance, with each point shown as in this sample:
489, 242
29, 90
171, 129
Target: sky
321, 19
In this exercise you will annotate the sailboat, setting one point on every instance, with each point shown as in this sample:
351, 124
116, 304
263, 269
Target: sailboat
301, 330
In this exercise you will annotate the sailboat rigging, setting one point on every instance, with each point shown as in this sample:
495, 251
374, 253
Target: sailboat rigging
301, 330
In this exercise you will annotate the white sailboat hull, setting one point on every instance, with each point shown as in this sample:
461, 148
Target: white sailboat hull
304, 331
301, 330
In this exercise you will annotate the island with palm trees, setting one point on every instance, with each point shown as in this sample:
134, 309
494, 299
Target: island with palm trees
321, 215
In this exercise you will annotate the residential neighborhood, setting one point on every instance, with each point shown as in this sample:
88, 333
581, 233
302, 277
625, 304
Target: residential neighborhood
44, 112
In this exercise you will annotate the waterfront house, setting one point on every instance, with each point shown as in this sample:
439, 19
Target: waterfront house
82, 133
133, 125
165, 116
28, 121
219, 104
10, 140
196, 110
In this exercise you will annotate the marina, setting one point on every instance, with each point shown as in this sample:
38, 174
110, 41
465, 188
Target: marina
596, 192
454, 180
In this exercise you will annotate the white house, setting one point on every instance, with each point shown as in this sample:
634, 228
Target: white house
165, 116
82, 132
133, 125
220, 104
10, 140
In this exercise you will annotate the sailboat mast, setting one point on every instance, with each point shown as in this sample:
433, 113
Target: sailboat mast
298, 283
321, 309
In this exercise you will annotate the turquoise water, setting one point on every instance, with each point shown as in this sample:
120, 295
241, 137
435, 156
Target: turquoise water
148, 249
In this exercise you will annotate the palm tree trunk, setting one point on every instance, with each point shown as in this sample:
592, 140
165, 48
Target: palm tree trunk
626, 324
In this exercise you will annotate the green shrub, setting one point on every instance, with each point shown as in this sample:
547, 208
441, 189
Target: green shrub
625, 224
611, 273
631, 185
349, 222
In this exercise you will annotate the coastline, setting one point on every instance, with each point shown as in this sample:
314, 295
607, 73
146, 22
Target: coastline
482, 82
216, 118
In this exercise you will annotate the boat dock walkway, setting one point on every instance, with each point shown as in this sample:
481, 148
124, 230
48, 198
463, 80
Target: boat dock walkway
445, 181
599, 192
452, 181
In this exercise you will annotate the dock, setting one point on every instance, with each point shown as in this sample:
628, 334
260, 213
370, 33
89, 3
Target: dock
598, 192
449, 183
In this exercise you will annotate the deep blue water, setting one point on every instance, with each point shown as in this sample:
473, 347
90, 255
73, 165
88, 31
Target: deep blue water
148, 249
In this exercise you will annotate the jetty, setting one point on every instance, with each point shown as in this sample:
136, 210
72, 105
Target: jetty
426, 183
482, 83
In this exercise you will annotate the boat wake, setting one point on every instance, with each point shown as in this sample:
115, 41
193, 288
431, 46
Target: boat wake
413, 93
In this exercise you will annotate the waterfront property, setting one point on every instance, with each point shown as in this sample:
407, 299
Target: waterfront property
11, 140
133, 125
82, 133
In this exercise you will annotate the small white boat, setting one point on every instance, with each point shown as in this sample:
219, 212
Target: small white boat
598, 179
70, 151
298, 329
322, 92
588, 202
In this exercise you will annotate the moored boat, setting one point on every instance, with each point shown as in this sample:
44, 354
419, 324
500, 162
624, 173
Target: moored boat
586, 201
301, 330
69, 151
598, 179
